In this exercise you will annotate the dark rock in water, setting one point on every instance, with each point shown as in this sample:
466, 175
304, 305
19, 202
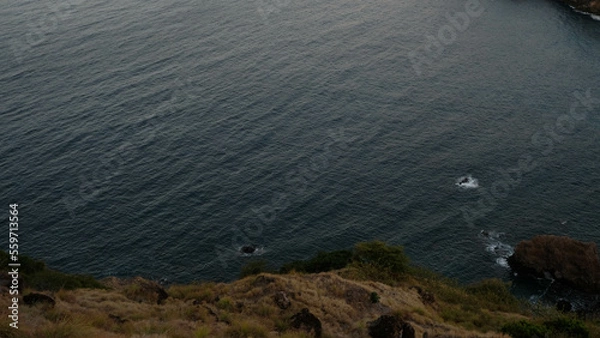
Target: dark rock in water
248, 249
588, 6
563, 306
386, 326
566, 260
38, 298
306, 321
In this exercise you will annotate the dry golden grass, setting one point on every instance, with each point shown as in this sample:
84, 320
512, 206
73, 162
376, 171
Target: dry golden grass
244, 308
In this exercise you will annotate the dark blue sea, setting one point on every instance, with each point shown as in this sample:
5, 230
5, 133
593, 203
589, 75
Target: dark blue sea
156, 138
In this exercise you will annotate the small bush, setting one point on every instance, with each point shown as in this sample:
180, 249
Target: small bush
495, 294
379, 262
568, 326
322, 262
374, 297
254, 268
37, 276
524, 329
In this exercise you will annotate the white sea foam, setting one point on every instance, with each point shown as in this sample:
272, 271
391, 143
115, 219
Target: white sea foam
595, 17
494, 246
467, 182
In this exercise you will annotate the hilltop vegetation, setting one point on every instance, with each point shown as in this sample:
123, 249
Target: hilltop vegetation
344, 291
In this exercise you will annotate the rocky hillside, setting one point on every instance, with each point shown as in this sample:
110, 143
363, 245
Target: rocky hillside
376, 294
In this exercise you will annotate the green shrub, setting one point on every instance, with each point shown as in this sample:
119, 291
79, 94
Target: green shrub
380, 262
524, 329
374, 297
322, 262
37, 276
568, 326
254, 268
495, 294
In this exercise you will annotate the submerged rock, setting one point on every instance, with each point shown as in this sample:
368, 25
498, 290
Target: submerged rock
566, 260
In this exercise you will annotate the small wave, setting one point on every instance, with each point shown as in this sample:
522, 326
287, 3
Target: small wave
595, 17
467, 182
494, 246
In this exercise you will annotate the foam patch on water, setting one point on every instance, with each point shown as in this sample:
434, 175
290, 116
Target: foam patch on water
467, 182
595, 17
496, 247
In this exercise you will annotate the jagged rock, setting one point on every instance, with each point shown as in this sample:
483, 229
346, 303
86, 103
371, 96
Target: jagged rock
563, 306
38, 298
282, 300
306, 321
386, 326
588, 6
569, 261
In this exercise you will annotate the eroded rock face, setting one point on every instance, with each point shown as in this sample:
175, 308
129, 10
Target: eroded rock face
569, 261
589, 6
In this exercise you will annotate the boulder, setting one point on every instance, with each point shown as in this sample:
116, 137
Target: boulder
386, 326
306, 321
38, 298
566, 260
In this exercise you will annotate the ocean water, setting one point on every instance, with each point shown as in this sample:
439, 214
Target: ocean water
156, 138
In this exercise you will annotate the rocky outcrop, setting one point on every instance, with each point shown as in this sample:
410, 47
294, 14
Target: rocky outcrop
282, 300
566, 260
306, 321
388, 326
588, 6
